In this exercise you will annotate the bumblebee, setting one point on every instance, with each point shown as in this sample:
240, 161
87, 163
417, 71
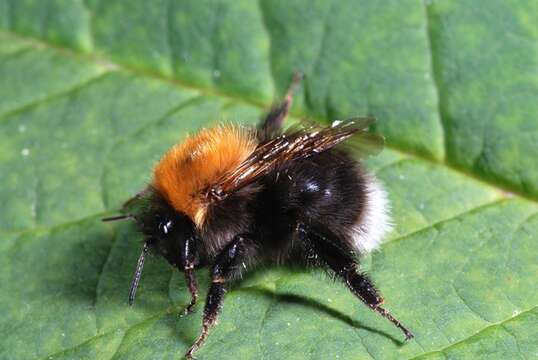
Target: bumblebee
231, 197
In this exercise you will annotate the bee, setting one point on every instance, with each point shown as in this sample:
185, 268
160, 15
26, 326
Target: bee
232, 197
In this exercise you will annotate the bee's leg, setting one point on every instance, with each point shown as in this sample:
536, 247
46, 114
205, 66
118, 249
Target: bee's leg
189, 256
271, 125
334, 255
224, 268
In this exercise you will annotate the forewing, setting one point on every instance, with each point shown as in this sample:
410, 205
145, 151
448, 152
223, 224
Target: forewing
365, 144
280, 152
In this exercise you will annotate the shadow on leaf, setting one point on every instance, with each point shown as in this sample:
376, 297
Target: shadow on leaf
294, 299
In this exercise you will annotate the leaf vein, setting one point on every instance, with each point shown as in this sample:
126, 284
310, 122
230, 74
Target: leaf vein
500, 323
432, 64
265, 27
100, 276
455, 217
58, 95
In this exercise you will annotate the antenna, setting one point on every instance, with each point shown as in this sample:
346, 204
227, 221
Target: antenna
118, 217
138, 274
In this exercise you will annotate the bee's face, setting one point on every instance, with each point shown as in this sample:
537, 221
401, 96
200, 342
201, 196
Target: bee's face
166, 232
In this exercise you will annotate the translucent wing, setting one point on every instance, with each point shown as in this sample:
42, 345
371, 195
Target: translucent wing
364, 144
295, 144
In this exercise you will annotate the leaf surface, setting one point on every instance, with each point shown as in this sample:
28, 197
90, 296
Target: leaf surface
93, 92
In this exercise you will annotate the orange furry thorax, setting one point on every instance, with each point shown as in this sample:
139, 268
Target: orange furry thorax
191, 167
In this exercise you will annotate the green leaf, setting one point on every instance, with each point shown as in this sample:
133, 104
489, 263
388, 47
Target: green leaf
92, 92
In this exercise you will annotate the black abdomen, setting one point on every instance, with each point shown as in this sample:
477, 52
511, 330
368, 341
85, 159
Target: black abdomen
325, 190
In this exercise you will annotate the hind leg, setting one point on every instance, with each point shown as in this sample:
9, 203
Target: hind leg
335, 256
271, 125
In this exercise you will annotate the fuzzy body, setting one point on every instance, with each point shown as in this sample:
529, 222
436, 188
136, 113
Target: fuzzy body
329, 191
231, 197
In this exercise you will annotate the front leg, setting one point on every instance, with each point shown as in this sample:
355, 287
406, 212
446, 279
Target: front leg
189, 256
226, 265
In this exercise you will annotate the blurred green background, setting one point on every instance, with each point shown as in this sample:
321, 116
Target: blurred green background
93, 91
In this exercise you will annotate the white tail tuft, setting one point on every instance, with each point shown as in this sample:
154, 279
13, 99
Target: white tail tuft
375, 221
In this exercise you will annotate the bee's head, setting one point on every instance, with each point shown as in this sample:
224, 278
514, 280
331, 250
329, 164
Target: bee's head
166, 230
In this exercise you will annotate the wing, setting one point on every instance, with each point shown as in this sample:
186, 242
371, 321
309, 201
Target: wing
280, 152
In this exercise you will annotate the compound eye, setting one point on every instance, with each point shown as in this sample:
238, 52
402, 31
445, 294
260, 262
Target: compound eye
165, 226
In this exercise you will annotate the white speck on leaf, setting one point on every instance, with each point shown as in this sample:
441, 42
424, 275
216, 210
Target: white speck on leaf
25, 152
216, 73
110, 66
22, 128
